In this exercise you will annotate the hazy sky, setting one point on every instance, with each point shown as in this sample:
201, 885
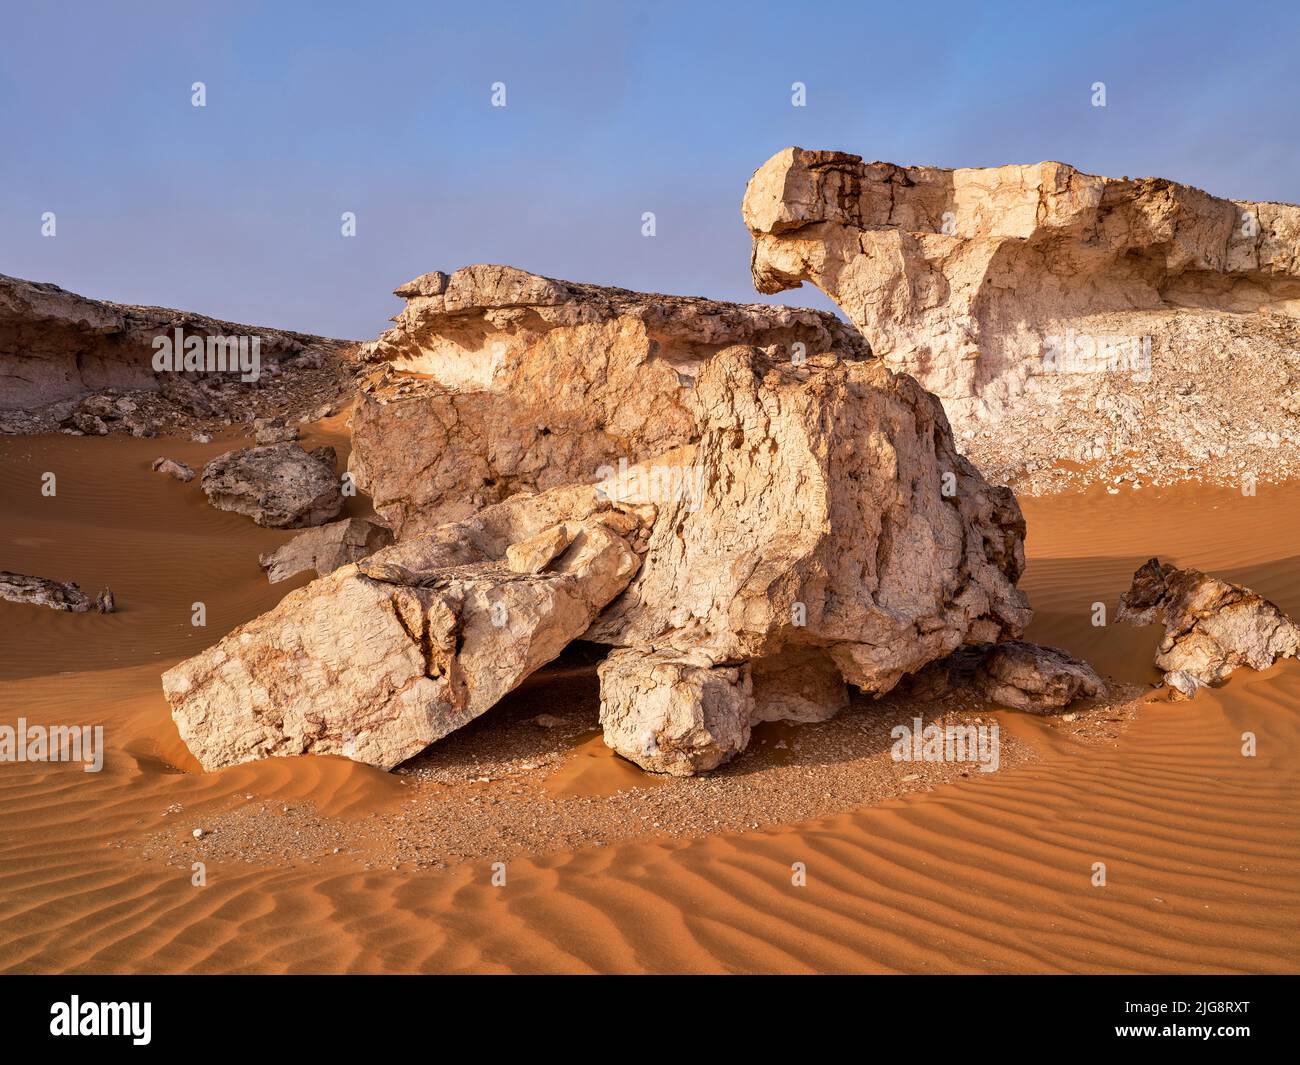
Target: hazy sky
613, 109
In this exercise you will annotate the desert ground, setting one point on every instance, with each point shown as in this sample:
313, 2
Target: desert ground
319, 864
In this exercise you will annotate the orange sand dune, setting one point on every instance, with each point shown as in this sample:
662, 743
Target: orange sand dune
993, 873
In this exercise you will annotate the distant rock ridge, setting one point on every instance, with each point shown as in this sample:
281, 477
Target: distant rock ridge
56, 345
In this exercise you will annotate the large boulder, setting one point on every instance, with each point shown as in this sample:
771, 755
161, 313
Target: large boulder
1212, 626
824, 506
280, 486
496, 381
824, 529
1136, 324
378, 660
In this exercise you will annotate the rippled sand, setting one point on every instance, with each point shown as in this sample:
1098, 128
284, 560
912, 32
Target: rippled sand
991, 873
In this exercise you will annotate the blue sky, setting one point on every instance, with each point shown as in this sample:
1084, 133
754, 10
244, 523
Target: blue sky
613, 109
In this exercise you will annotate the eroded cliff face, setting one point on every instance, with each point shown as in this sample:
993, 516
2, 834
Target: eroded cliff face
1143, 323
495, 381
57, 347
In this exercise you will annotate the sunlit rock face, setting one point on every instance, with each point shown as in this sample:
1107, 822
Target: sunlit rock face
495, 381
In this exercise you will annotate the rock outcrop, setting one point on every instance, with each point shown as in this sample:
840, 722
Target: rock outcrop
375, 662
496, 381
1012, 674
1139, 325
801, 521
280, 486
1212, 627
325, 548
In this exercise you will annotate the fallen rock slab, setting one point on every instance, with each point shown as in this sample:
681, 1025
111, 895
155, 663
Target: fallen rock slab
326, 548
280, 486
376, 663
1212, 626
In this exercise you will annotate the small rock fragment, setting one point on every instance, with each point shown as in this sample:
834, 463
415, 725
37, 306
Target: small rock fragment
326, 548
172, 468
674, 715
1026, 676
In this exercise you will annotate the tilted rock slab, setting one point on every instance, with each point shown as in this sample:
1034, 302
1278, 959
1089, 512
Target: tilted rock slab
495, 381
325, 548
1041, 288
1212, 626
375, 662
